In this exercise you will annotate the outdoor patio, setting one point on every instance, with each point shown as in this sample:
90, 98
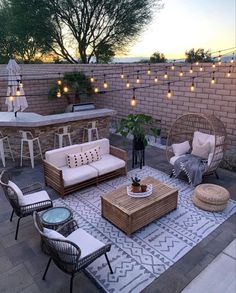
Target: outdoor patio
22, 263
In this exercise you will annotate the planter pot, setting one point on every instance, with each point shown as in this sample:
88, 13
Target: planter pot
135, 189
138, 144
143, 188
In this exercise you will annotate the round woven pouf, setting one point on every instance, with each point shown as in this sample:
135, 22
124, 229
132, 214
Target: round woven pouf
210, 197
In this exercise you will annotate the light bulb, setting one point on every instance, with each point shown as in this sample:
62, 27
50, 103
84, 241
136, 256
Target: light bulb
18, 91
96, 89
21, 84
181, 73
197, 63
191, 70
122, 76
59, 94
232, 60
127, 84
138, 79
201, 68
92, 79
105, 85
11, 98
156, 79
169, 94
165, 75
65, 89
59, 82
213, 65
213, 80
192, 87
133, 102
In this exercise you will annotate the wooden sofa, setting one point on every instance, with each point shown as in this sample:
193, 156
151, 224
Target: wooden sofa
65, 180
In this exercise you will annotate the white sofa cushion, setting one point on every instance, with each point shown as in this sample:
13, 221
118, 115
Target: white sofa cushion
201, 150
181, 148
202, 138
17, 191
91, 155
76, 175
86, 242
174, 158
35, 197
107, 164
104, 144
58, 157
50, 233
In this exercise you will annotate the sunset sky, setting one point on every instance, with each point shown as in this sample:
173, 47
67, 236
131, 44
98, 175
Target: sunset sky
185, 24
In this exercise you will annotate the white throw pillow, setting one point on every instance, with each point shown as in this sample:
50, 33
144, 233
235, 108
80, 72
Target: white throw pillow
91, 155
201, 150
17, 191
181, 148
53, 234
202, 138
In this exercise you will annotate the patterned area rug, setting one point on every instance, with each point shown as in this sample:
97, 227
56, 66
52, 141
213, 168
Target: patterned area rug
138, 260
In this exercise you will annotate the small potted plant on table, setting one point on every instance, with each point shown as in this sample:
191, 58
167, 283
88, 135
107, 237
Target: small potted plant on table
135, 184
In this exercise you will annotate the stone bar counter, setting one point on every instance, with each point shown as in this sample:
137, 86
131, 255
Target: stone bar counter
45, 127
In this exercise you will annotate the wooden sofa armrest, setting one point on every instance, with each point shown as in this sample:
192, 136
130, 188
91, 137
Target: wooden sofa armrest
119, 153
53, 176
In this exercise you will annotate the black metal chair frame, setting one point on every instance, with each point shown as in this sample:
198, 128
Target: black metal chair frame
66, 254
22, 210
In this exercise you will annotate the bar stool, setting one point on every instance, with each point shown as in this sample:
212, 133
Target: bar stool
2, 152
27, 137
62, 132
91, 130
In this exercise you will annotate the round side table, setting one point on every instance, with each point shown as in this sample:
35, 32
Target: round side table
55, 217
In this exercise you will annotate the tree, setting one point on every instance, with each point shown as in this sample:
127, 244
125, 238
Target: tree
198, 55
158, 58
104, 53
27, 33
88, 26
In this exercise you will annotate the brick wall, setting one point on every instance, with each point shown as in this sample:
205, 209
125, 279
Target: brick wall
218, 99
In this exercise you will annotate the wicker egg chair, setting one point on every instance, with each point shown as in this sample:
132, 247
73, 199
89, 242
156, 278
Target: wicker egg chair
184, 127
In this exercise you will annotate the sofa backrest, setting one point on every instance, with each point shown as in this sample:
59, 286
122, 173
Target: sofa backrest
104, 144
58, 157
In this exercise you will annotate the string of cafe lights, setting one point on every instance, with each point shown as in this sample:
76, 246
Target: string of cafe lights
217, 60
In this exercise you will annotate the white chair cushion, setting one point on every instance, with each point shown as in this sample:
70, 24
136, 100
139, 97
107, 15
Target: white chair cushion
201, 150
86, 242
202, 138
34, 197
50, 233
58, 157
76, 160
107, 164
76, 175
103, 143
174, 158
181, 148
17, 191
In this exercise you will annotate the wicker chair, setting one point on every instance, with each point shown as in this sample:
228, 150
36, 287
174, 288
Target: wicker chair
69, 250
184, 127
35, 199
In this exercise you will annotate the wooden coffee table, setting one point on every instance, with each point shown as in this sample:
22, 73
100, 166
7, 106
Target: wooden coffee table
130, 214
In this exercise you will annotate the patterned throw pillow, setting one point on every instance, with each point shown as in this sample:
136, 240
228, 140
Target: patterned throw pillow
79, 159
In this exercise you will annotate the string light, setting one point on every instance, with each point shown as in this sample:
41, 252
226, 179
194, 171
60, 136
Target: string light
232, 59
173, 65
219, 59
92, 77
138, 79
65, 89
166, 75
191, 69
156, 78
11, 98
122, 73
197, 63
201, 68
181, 71
59, 82
213, 78
149, 69
169, 93
127, 82
213, 64
192, 88
58, 93
229, 72
96, 89
105, 84
133, 101
18, 89
20, 82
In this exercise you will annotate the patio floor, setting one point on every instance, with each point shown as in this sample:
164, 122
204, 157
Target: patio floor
22, 262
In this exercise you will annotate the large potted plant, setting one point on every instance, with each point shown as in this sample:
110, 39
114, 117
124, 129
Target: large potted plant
136, 126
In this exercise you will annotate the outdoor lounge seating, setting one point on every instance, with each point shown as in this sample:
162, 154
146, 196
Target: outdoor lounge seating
200, 131
71, 248
70, 168
26, 200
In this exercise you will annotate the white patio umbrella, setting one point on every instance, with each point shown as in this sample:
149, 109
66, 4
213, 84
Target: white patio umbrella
15, 99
